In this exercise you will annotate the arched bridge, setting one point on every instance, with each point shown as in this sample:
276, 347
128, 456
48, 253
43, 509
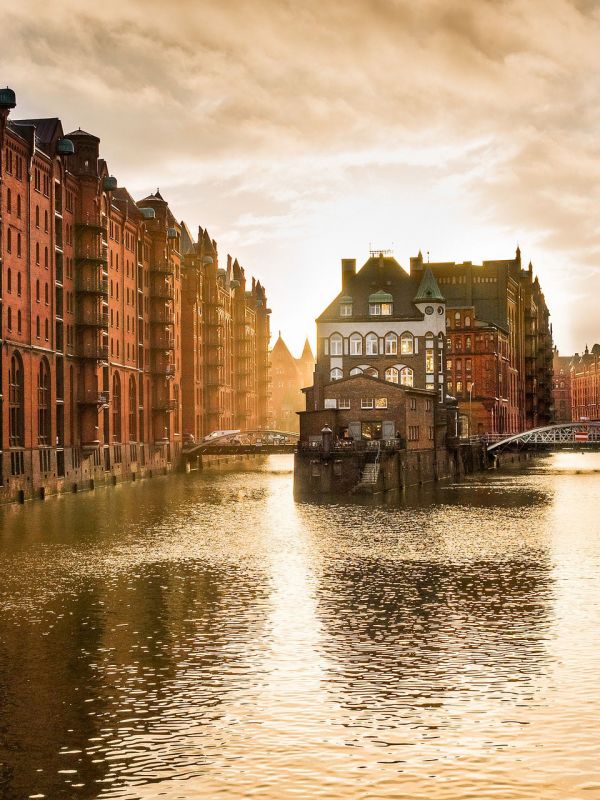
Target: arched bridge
564, 435
243, 443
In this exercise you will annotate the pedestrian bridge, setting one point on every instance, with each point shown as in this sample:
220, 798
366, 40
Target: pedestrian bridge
562, 436
243, 443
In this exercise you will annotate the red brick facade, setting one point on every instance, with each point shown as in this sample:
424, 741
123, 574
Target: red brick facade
94, 326
585, 385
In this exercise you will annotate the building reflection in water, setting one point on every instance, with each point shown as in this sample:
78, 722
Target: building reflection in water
205, 635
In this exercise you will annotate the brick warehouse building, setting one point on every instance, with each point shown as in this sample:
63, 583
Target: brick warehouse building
561, 387
499, 348
585, 384
95, 322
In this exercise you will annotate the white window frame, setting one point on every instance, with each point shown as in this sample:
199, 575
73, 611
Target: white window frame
406, 338
337, 377
344, 402
366, 403
407, 377
356, 344
391, 344
345, 309
330, 402
374, 309
391, 370
336, 339
371, 344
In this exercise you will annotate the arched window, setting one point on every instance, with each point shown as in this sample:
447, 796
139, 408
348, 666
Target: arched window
46, 257
37, 327
37, 216
391, 344
467, 322
9, 280
19, 321
37, 252
116, 404
9, 240
46, 294
407, 344
392, 375
9, 201
406, 376
356, 344
457, 318
18, 244
335, 345
372, 372
19, 284
468, 343
19, 206
44, 407
16, 400
356, 371
372, 344
132, 410
37, 291
46, 330
336, 374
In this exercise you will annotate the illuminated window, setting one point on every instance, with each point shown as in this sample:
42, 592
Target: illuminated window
407, 344
381, 402
335, 345
406, 376
336, 374
392, 375
391, 344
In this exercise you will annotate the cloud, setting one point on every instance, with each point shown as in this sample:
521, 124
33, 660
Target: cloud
289, 128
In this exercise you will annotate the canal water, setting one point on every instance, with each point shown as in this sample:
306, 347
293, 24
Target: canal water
205, 636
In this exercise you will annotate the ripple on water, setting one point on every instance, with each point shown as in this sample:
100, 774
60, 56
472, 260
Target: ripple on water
205, 636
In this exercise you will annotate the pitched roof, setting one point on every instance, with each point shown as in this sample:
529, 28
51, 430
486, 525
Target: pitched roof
378, 274
428, 288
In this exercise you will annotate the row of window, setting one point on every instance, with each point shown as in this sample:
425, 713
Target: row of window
375, 309
390, 345
403, 376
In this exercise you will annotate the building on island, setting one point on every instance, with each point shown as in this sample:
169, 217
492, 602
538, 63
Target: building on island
289, 376
382, 340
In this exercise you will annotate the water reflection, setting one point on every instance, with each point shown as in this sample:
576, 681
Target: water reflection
205, 636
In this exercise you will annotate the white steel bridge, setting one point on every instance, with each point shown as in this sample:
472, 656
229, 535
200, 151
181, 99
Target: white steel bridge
562, 436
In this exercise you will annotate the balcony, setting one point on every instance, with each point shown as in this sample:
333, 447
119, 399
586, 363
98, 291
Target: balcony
163, 267
95, 285
163, 291
93, 351
92, 397
167, 370
95, 253
164, 342
92, 318
162, 316
92, 222
163, 404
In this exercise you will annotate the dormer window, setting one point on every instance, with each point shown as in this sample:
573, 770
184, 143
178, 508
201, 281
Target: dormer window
381, 304
345, 306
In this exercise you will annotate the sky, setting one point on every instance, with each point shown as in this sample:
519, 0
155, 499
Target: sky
303, 132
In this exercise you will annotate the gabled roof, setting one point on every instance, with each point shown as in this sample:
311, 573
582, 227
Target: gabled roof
428, 288
378, 274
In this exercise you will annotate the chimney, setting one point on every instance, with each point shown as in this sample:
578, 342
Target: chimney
348, 270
